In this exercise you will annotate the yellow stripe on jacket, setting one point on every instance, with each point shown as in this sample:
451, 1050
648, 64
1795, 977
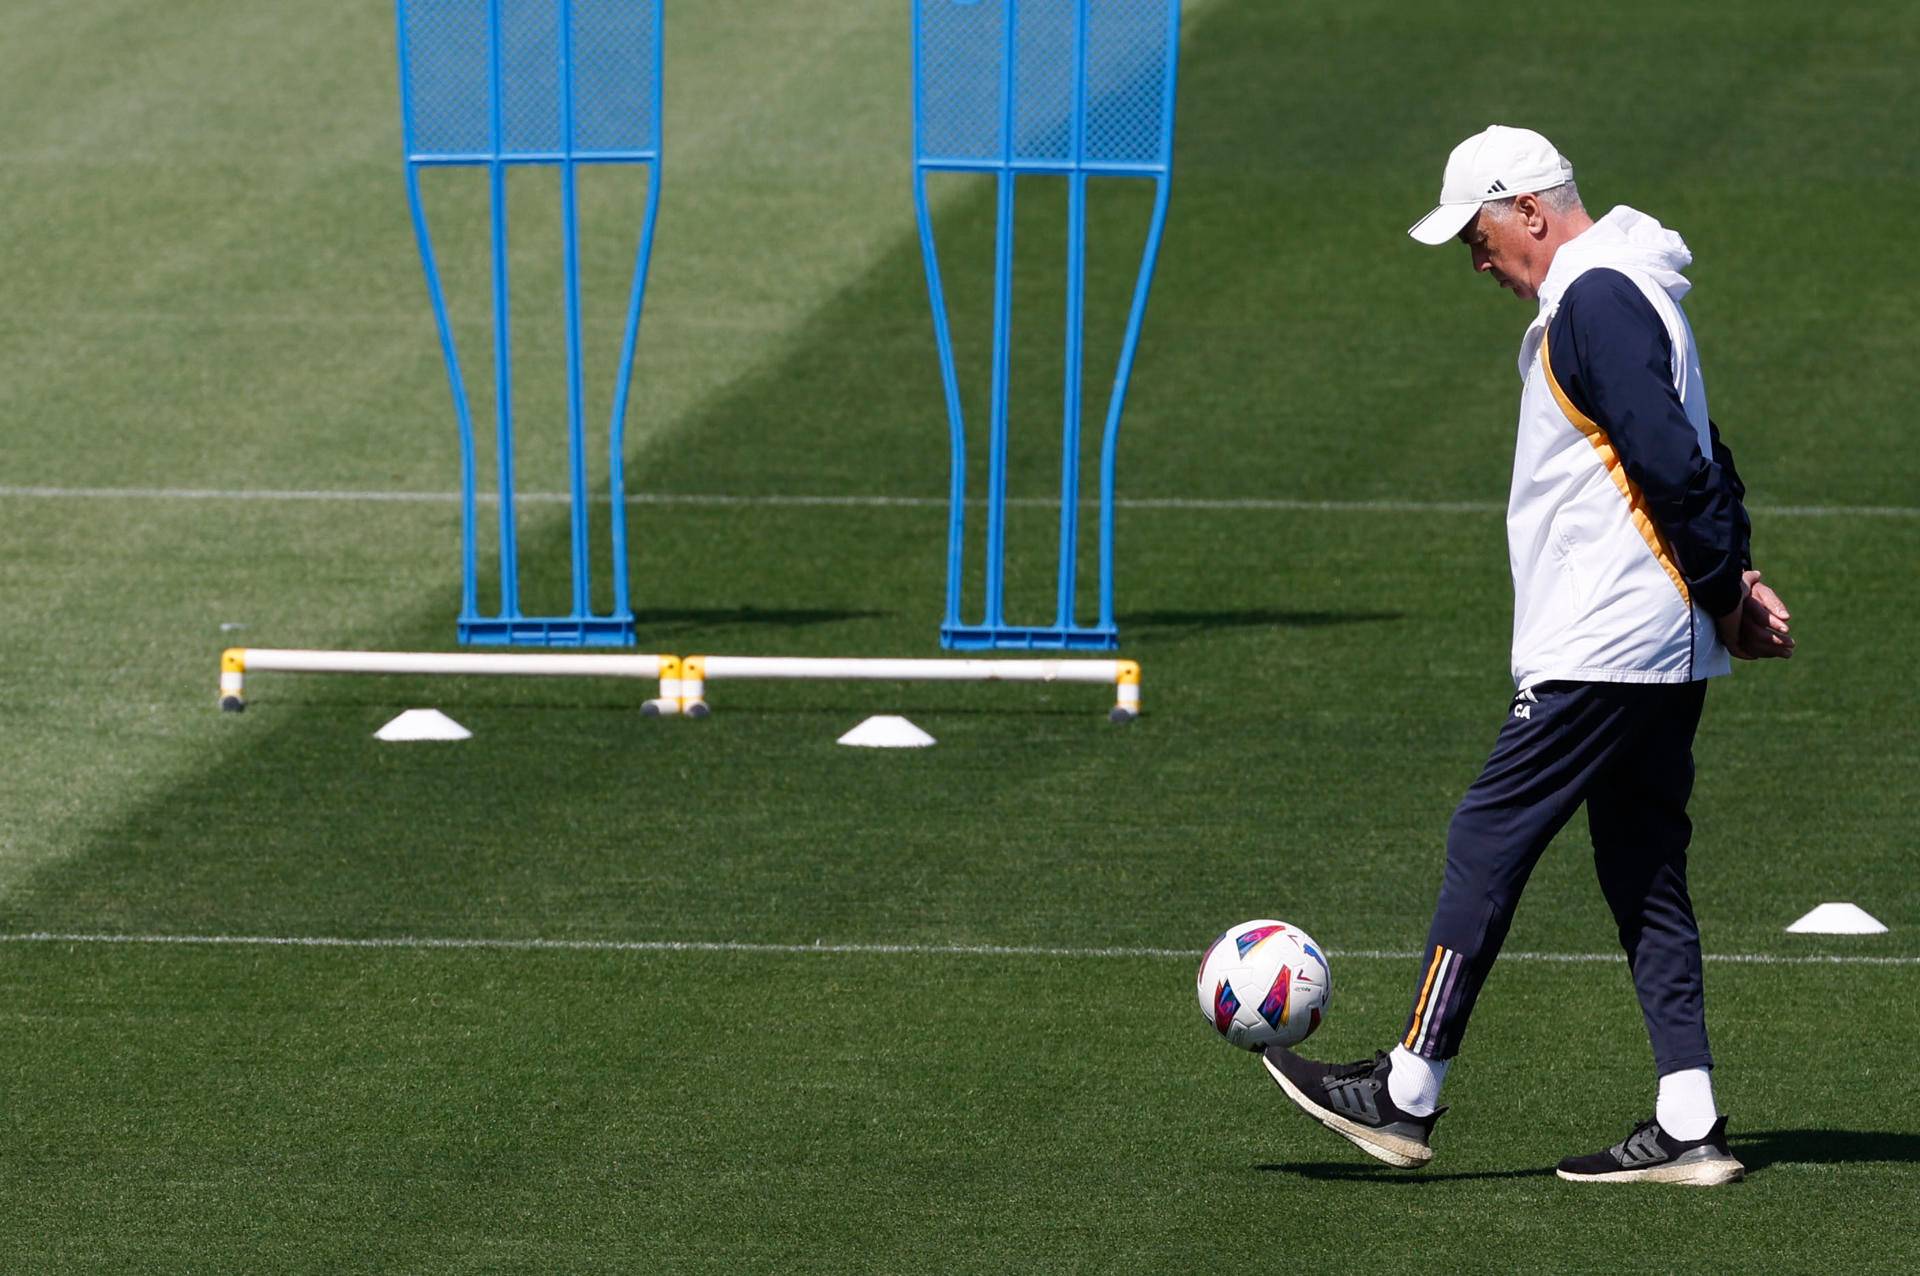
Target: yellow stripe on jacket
1636, 502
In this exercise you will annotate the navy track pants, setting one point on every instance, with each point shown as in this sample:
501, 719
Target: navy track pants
1626, 751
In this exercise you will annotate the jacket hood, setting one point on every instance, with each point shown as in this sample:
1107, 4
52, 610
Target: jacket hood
1625, 239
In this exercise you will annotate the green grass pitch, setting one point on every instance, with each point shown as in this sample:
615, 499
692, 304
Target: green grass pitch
211, 286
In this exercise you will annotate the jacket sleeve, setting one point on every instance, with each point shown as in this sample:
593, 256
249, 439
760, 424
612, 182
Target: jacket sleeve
1613, 359
1723, 457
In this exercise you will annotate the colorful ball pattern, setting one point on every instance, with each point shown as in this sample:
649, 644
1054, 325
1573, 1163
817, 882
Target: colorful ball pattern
1264, 983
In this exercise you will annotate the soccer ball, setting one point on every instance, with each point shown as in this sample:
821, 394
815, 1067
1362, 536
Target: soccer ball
1264, 983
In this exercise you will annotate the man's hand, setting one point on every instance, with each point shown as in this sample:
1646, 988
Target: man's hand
1756, 629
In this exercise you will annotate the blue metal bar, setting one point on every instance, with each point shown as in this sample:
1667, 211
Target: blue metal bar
1058, 168
997, 417
1109, 444
477, 159
1002, 337
1110, 439
962, 56
956, 424
557, 631
502, 321
943, 342
1027, 637
441, 104
469, 570
616, 430
576, 390
617, 427
1076, 323
1171, 92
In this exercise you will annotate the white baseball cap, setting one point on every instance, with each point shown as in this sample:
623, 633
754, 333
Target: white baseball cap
1498, 163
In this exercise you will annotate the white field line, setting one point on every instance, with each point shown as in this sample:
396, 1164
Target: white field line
1282, 504
820, 947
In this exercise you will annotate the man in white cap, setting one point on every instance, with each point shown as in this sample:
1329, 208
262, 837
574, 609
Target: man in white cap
1633, 585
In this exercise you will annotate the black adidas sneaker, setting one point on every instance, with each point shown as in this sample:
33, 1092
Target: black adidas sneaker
1651, 1155
1352, 1100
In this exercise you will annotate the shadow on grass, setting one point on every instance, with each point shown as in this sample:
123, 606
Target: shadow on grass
1250, 618
1765, 1148
1094, 708
289, 828
701, 617
1333, 1172
1760, 1151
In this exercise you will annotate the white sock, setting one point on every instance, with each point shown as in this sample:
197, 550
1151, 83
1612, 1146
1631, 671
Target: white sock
1685, 1108
1413, 1083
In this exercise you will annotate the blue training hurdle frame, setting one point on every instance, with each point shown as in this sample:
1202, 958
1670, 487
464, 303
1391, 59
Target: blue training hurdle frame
1075, 88
496, 83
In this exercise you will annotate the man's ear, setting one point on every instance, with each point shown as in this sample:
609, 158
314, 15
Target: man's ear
1528, 207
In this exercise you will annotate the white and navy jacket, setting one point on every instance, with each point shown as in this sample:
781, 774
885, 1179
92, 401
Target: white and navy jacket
1625, 528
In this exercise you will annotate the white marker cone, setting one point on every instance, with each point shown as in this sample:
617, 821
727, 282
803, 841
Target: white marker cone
886, 731
1838, 919
423, 724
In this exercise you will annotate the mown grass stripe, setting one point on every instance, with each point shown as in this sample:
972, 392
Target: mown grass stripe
423, 943
1284, 504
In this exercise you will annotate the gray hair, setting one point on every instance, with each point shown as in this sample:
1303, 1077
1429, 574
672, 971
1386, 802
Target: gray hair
1563, 198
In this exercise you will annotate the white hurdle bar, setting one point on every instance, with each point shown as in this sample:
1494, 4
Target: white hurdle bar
237, 662
1122, 675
